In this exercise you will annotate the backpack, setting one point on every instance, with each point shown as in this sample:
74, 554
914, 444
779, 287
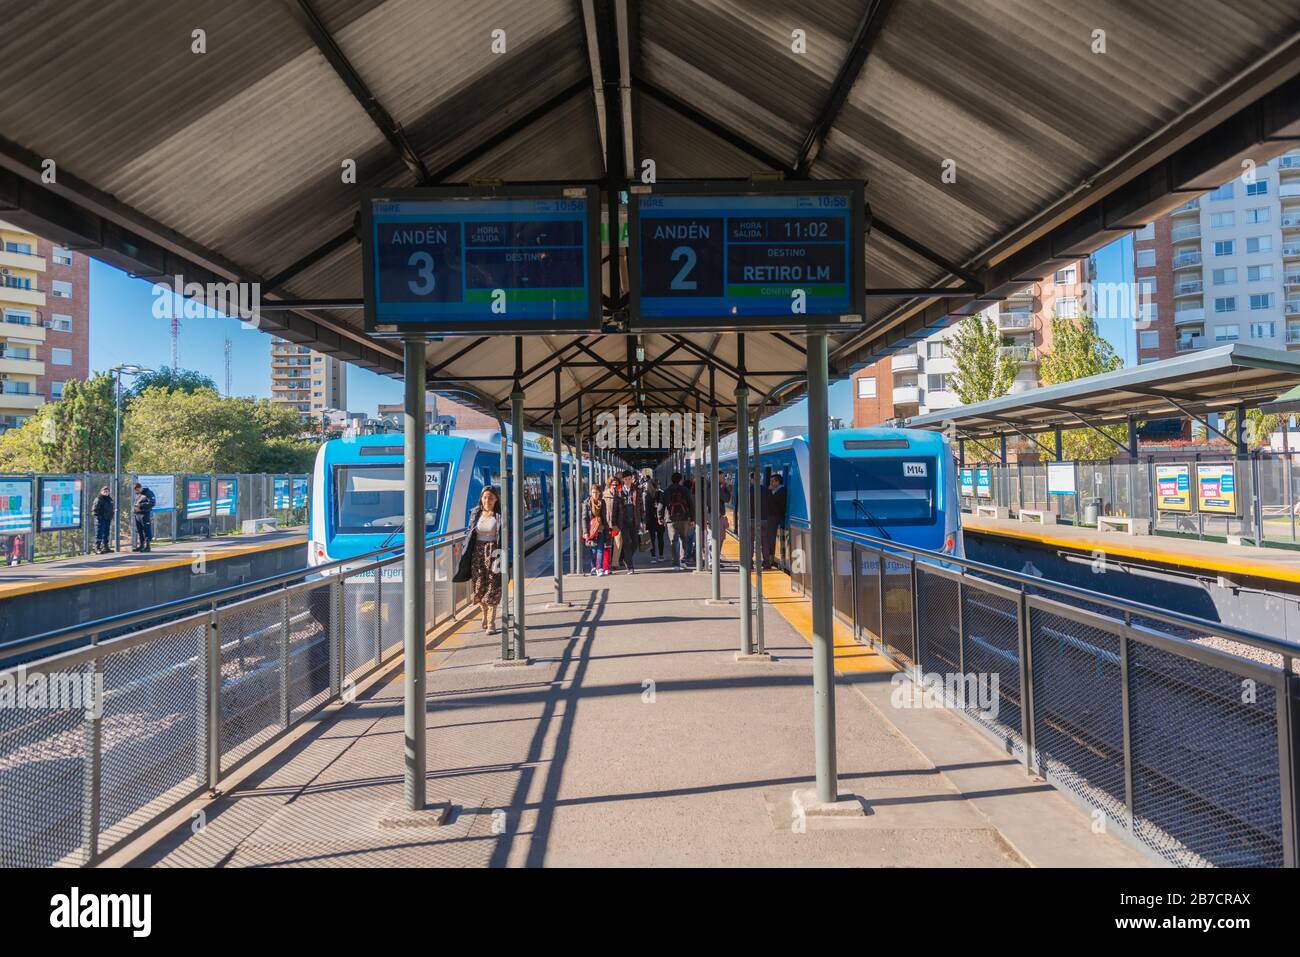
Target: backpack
677, 508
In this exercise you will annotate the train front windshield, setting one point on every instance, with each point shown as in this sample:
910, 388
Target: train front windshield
883, 491
368, 498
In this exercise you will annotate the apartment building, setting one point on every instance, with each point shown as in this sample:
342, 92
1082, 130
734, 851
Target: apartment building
44, 322
918, 379
1225, 267
306, 381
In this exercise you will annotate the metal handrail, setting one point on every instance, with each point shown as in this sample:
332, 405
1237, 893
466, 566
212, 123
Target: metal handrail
1221, 629
208, 599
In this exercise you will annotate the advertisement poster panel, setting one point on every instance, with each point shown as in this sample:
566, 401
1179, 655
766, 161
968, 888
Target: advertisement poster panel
198, 497
984, 483
1173, 488
280, 493
1216, 487
967, 481
164, 491
15, 505
227, 496
1060, 478
299, 493
60, 504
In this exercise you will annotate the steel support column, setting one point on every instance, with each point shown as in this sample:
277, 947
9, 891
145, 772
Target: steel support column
413, 573
819, 563
715, 514
759, 643
697, 473
744, 530
517, 517
504, 493
557, 483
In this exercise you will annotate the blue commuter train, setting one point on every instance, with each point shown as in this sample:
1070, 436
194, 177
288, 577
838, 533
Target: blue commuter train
893, 484
356, 502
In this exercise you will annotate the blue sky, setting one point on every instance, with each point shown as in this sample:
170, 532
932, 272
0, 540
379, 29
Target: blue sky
123, 329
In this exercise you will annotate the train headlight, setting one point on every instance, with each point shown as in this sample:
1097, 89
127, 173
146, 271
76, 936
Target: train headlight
316, 553
950, 543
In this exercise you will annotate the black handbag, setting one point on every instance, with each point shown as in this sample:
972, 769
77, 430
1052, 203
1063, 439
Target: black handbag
465, 569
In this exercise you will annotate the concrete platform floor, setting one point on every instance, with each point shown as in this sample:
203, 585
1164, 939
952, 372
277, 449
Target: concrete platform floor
634, 738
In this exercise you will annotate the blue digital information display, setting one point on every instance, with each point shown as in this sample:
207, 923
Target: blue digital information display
755, 256
443, 261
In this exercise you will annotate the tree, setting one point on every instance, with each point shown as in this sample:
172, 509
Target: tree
201, 432
544, 443
74, 434
1259, 427
170, 380
1078, 351
981, 371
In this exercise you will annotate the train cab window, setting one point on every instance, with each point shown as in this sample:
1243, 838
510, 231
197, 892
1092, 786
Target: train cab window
368, 498
532, 493
884, 491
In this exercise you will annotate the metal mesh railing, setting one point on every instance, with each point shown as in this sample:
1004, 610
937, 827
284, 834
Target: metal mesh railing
1181, 731
106, 738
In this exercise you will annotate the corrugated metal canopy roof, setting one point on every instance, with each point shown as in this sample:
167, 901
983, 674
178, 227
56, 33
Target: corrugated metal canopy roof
1215, 379
229, 161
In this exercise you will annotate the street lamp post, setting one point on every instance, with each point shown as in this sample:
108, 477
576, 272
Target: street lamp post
129, 368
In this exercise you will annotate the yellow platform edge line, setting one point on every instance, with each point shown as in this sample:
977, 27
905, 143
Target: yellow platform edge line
15, 589
850, 655
1257, 568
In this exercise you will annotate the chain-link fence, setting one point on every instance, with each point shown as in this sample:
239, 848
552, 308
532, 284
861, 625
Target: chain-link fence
101, 741
1177, 733
59, 522
1255, 497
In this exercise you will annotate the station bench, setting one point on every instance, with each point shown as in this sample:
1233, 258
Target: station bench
1129, 526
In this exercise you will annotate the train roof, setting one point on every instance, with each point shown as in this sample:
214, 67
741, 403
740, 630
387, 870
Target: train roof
488, 440
916, 438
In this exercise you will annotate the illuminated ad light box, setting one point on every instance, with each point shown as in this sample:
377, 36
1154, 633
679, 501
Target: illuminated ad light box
739, 257
469, 260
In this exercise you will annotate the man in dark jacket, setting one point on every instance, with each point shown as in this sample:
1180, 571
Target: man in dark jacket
103, 512
142, 510
631, 517
679, 516
774, 503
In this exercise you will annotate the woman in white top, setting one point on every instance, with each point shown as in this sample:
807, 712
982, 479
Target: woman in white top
478, 561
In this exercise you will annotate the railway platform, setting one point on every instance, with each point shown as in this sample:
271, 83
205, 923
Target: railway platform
634, 737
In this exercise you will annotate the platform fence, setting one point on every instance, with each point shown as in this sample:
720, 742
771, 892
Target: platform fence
1262, 505
107, 739
1177, 733
206, 506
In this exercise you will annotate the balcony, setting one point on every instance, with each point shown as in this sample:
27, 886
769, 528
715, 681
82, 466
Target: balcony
1191, 206
907, 394
15, 260
1290, 161
1291, 221
904, 361
1189, 315
20, 296
1293, 333
1291, 279
22, 330
1291, 252
1015, 321
1181, 234
1192, 343
1183, 260
1288, 189
14, 366
24, 401
1192, 287
1021, 354
1291, 307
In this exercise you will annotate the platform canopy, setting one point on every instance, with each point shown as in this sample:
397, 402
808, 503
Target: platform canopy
1213, 380
998, 139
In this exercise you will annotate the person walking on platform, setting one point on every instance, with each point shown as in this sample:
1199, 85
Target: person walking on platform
142, 510
595, 532
679, 511
613, 499
478, 558
631, 520
773, 517
654, 519
102, 509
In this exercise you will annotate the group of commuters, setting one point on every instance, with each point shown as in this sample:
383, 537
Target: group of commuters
142, 505
629, 513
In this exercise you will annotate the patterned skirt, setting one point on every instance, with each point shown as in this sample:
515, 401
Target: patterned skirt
487, 583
